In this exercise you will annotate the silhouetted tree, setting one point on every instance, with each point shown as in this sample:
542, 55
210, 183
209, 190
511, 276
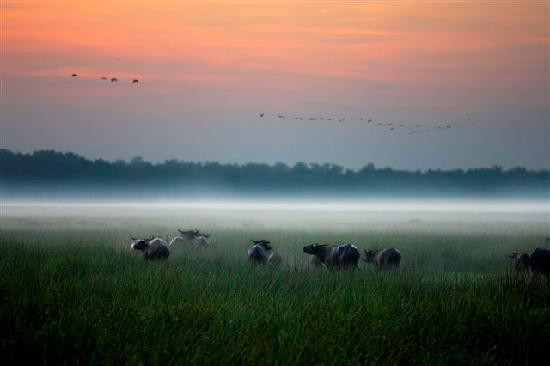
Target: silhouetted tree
45, 169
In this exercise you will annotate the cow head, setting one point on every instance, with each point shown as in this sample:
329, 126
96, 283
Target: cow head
140, 244
263, 243
315, 249
369, 255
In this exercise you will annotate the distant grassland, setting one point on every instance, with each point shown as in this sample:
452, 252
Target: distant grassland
73, 292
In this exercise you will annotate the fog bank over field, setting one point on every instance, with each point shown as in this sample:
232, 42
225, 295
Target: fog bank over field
54, 184
399, 214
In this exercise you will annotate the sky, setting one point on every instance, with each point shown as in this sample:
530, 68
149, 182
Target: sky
208, 69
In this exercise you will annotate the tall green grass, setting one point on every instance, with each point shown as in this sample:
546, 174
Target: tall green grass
82, 296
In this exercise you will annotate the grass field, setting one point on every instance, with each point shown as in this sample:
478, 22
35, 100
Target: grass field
73, 292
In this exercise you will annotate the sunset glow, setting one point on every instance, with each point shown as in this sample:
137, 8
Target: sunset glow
223, 62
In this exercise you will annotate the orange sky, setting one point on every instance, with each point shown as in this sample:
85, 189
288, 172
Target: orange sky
396, 42
433, 59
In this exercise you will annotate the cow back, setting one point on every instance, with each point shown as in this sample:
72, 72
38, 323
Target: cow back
342, 256
157, 250
388, 258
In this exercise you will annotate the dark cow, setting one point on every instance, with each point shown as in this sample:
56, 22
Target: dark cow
152, 248
538, 261
388, 258
257, 253
342, 256
521, 261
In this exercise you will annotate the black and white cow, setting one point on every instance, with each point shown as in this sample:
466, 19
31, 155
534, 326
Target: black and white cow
152, 248
341, 256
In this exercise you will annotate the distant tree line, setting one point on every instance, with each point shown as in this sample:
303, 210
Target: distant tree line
48, 169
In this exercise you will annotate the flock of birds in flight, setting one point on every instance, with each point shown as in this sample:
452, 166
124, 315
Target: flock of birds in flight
112, 80
408, 128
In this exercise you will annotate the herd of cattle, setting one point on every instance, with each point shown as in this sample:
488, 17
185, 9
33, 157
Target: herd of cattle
336, 256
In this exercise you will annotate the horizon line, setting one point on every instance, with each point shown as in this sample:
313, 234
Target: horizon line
289, 165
